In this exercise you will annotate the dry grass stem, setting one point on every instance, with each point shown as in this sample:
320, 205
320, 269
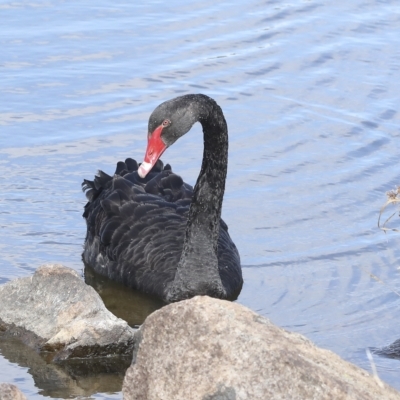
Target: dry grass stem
393, 198
373, 367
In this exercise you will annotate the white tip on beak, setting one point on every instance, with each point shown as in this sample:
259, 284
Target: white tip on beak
144, 169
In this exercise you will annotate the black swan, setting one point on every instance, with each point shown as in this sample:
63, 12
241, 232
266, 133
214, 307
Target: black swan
151, 231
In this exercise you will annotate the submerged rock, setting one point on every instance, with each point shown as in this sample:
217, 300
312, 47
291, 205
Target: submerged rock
55, 311
390, 351
72, 378
10, 392
212, 349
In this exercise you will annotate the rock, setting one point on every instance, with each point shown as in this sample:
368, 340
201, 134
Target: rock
390, 351
10, 392
212, 349
55, 311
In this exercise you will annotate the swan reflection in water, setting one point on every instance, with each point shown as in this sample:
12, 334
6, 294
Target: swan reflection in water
125, 303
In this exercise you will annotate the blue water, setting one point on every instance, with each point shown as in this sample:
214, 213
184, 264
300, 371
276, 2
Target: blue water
310, 91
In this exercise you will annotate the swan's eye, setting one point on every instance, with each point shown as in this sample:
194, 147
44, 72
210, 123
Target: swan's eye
166, 122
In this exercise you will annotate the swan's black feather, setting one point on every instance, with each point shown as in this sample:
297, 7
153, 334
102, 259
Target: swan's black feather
125, 186
121, 167
111, 204
101, 180
131, 164
107, 230
142, 209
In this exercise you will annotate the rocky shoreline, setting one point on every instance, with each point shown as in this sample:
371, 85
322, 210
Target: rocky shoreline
201, 348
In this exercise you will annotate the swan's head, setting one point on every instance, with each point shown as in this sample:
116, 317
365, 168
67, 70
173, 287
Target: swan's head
168, 122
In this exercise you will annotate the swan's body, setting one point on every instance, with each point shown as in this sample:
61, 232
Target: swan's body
154, 233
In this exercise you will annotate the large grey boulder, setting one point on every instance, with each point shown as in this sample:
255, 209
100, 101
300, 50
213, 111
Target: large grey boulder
55, 311
10, 392
211, 349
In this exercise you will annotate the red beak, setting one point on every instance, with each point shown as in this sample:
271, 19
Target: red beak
155, 147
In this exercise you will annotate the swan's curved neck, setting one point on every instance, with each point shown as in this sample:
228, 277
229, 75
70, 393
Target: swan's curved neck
198, 265
205, 209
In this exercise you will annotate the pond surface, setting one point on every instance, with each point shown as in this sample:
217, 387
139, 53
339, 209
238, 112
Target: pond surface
310, 90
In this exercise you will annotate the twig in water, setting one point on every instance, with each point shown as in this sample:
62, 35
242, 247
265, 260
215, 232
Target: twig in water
393, 198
